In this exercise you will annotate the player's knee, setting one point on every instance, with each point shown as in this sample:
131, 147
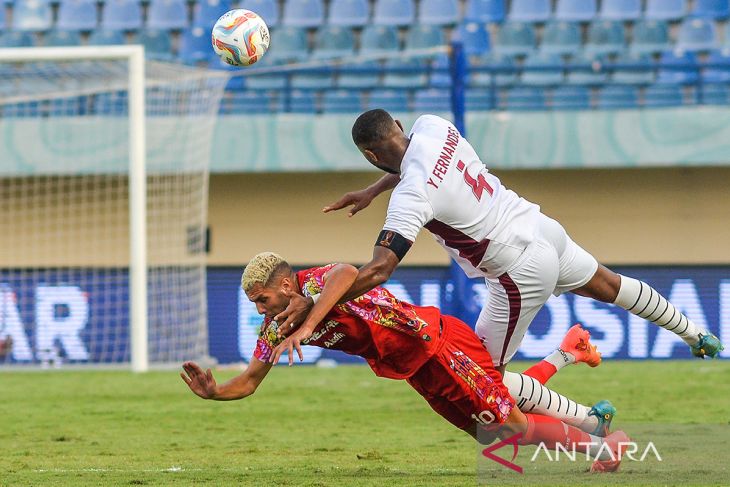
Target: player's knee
603, 286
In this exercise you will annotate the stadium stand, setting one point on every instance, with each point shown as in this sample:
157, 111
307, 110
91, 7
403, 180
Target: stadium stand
618, 53
393, 101
349, 13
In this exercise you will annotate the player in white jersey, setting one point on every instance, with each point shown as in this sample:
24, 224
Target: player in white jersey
441, 184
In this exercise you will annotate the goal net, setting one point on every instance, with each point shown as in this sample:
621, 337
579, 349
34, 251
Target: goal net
103, 200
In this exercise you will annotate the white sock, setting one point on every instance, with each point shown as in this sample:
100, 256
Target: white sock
560, 359
533, 397
638, 298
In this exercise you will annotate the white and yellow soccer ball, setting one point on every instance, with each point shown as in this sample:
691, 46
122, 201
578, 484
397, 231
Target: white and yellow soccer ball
240, 37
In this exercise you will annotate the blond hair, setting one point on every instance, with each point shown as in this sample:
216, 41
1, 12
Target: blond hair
261, 268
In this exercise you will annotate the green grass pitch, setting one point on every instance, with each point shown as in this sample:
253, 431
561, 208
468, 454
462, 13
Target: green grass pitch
341, 426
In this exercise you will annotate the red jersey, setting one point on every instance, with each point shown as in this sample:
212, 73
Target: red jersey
396, 338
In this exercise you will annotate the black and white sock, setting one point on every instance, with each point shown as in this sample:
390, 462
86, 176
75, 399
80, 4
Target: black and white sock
639, 298
533, 397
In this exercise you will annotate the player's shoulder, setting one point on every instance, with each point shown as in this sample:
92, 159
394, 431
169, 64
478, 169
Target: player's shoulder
428, 122
311, 280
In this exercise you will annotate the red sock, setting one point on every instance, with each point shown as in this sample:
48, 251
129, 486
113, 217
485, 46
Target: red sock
541, 371
551, 431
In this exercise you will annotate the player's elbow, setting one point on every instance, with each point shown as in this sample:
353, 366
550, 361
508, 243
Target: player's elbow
379, 274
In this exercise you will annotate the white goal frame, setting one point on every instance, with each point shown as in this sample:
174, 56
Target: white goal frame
134, 55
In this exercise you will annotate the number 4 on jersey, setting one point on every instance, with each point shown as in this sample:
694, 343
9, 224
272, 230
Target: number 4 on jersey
478, 184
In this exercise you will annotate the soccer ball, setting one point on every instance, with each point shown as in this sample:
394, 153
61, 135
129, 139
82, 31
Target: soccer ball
240, 37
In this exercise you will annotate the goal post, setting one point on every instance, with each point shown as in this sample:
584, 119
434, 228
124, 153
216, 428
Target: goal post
72, 165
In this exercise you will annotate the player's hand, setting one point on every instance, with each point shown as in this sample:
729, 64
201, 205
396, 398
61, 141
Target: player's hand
359, 200
290, 344
201, 383
294, 314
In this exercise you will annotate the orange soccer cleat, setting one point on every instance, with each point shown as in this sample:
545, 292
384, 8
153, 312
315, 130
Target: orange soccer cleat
577, 343
617, 442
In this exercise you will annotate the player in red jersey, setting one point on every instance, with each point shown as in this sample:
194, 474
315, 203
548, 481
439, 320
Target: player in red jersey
438, 355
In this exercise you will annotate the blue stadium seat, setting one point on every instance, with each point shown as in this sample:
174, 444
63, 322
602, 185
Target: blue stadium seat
637, 70
561, 38
267, 10
697, 34
349, 13
76, 15
713, 9
686, 64
303, 13
206, 12
586, 69
621, 9
320, 78
247, 102
32, 16
440, 74
523, 98
195, 46
16, 39
3, 20
405, 73
719, 70
438, 12
424, 36
433, 100
506, 77
618, 96
571, 98
269, 81
606, 37
530, 11
650, 37
341, 101
121, 15
333, 41
394, 12
167, 14
665, 9
515, 39
302, 102
663, 95
550, 71
479, 100
484, 11
103, 37
576, 10
474, 37
376, 39
290, 46
62, 38
390, 100
715, 94
156, 43
363, 75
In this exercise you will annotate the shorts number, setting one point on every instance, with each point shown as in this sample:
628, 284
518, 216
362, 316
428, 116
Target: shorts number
485, 417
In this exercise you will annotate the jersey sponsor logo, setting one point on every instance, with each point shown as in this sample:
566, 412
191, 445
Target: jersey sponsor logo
444, 161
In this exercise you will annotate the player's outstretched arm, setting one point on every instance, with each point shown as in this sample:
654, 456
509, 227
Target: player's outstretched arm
374, 273
361, 199
204, 385
336, 283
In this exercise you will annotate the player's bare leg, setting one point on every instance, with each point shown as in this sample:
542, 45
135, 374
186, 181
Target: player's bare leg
640, 299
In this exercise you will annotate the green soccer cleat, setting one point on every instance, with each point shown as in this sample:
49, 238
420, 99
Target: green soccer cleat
708, 346
604, 411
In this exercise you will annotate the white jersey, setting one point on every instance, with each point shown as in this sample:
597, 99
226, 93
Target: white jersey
446, 188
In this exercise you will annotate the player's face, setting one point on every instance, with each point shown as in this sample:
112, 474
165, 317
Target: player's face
271, 300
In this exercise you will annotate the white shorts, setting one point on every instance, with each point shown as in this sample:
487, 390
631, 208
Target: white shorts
552, 264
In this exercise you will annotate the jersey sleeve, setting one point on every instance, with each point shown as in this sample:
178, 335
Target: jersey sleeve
408, 212
267, 341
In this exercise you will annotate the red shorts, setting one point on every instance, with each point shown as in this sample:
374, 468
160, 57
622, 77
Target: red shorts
460, 381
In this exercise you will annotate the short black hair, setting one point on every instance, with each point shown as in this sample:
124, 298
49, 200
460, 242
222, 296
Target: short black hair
371, 126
